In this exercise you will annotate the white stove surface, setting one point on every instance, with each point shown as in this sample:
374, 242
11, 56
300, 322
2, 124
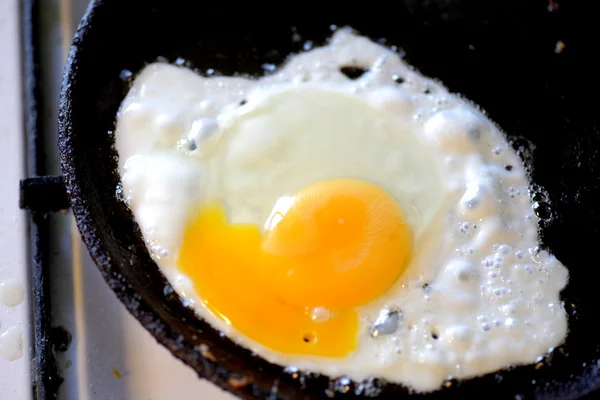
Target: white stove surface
15, 381
111, 355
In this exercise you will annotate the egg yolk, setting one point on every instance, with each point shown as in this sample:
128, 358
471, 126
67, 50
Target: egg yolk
334, 245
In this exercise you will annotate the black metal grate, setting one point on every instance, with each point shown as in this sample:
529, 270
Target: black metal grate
39, 194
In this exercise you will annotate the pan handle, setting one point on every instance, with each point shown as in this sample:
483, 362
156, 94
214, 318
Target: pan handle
43, 194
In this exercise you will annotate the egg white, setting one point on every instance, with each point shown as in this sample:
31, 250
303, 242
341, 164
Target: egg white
492, 297
286, 137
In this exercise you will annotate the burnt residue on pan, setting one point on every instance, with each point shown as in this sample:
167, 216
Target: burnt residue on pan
501, 55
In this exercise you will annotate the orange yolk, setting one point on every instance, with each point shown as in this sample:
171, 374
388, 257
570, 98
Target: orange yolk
335, 244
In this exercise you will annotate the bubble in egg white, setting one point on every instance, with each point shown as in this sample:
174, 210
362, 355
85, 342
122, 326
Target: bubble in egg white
203, 129
476, 201
453, 130
387, 323
202, 132
497, 150
166, 121
458, 336
461, 271
504, 249
465, 228
391, 101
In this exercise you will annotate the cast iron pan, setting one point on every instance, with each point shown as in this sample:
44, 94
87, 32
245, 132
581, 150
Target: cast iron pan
499, 54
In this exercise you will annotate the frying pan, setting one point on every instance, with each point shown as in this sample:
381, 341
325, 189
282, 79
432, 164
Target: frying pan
501, 55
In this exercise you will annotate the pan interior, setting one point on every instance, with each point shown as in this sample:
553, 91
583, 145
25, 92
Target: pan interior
502, 57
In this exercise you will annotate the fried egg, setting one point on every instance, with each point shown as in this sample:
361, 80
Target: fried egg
359, 226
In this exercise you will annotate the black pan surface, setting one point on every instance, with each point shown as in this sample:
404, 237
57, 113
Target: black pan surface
501, 55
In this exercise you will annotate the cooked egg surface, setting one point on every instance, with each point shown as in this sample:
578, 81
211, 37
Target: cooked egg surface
351, 227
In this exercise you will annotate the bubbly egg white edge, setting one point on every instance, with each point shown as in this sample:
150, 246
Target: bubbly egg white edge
492, 298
